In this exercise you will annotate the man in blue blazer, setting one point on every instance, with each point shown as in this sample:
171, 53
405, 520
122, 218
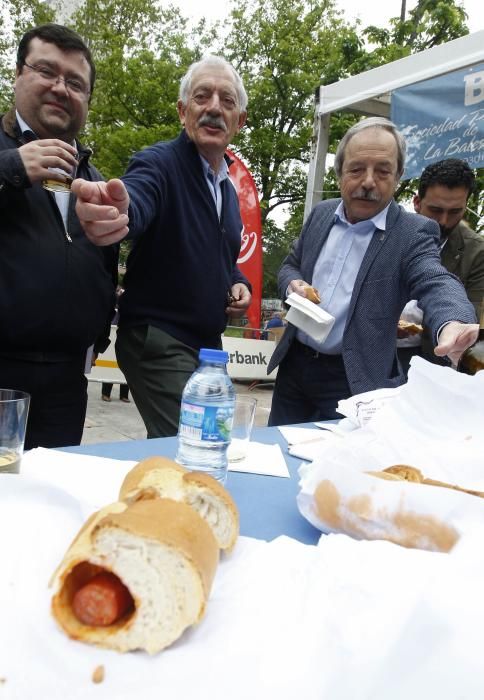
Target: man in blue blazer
367, 257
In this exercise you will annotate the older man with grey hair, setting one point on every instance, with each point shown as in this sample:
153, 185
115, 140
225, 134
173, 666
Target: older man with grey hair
179, 207
367, 257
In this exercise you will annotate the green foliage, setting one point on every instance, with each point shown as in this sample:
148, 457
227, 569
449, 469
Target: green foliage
283, 52
16, 17
276, 244
428, 24
141, 52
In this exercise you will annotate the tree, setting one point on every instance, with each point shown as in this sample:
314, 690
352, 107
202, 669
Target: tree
141, 52
16, 17
430, 23
283, 51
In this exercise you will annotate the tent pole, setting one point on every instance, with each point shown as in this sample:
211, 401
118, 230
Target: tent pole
317, 164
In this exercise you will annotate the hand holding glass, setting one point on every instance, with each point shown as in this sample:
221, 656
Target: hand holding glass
244, 414
14, 409
60, 185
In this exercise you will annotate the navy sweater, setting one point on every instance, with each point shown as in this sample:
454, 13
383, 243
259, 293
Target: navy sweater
183, 261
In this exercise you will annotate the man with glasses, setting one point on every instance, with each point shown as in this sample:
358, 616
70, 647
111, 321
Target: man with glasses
56, 288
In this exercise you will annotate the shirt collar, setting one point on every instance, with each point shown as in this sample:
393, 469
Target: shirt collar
25, 127
23, 124
222, 174
379, 220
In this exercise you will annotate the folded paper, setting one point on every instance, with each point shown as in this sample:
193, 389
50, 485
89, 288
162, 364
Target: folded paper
309, 317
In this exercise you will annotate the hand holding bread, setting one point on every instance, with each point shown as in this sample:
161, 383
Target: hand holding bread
305, 290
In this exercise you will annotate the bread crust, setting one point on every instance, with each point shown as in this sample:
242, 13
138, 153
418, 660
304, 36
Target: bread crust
144, 475
160, 477
410, 328
403, 472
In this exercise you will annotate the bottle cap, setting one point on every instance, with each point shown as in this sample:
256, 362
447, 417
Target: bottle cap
210, 355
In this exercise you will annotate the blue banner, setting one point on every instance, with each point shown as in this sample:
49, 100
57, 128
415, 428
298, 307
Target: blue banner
442, 118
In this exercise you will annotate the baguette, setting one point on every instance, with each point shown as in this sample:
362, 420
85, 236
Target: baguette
161, 551
159, 477
410, 328
402, 472
312, 294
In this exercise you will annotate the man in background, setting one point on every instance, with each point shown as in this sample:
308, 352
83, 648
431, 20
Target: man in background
56, 287
275, 321
367, 257
443, 191
183, 215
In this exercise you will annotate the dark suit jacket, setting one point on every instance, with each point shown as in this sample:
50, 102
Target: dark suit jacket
400, 263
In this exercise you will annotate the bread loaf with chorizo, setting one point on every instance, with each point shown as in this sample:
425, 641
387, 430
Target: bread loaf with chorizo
151, 564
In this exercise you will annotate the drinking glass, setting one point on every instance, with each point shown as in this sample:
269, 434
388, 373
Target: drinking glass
244, 414
58, 185
14, 410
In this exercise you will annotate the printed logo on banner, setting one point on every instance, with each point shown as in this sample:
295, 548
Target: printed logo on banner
442, 118
248, 246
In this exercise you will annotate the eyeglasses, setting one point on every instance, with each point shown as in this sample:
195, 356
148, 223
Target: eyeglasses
78, 87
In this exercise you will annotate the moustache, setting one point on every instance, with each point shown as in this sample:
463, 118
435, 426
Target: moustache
366, 195
214, 122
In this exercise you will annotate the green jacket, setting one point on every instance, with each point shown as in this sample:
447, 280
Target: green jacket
463, 255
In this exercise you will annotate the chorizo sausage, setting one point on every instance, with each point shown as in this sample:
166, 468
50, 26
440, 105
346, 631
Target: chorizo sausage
102, 601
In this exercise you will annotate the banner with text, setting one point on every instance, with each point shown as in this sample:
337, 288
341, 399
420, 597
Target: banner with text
250, 257
442, 118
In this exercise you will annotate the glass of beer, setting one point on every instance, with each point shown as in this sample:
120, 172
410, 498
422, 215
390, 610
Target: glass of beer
14, 410
60, 185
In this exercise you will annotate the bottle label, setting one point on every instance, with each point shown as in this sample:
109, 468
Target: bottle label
206, 423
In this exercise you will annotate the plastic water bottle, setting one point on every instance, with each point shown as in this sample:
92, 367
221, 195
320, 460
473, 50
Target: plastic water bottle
206, 416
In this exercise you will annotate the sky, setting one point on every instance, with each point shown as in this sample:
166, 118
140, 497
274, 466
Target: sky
369, 12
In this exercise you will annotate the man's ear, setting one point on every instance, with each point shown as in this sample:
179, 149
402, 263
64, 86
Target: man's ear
416, 203
181, 108
242, 120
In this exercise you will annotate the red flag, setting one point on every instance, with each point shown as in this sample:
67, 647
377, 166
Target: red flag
250, 256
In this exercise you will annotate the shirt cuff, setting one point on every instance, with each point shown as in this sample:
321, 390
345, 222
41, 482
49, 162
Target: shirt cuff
441, 329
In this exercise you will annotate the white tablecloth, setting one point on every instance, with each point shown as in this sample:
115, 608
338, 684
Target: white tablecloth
343, 620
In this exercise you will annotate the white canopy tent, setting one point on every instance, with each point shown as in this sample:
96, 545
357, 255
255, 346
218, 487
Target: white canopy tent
369, 93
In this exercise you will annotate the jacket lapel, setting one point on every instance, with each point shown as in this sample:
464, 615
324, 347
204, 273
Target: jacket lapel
321, 227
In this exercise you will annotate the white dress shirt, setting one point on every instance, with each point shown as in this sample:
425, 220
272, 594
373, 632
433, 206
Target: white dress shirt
214, 179
336, 270
61, 198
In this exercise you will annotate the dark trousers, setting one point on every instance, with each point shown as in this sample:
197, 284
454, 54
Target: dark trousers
58, 399
156, 367
107, 388
308, 386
